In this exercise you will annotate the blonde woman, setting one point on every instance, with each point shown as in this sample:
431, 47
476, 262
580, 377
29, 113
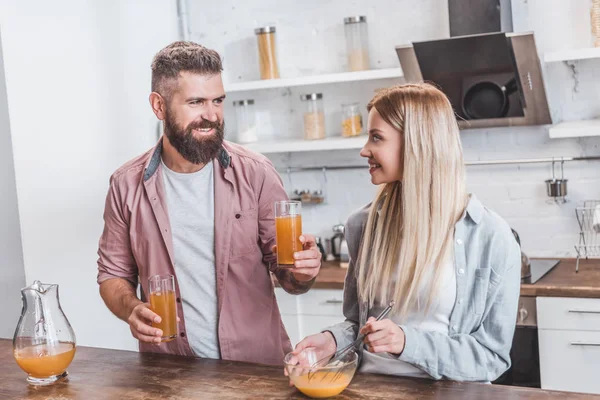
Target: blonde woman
451, 265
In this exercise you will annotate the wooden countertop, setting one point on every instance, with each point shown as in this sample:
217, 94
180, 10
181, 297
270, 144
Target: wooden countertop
125, 375
562, 281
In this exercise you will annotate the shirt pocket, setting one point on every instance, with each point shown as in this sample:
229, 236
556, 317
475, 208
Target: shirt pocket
244, 233
480, 290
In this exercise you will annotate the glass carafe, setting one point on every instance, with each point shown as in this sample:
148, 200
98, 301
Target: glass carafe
44, 342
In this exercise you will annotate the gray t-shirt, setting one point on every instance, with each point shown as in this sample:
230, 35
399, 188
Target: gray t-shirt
190, 204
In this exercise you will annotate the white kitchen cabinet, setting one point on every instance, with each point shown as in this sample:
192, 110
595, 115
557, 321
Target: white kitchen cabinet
325, 302
292, 327
568, 313
288, 303
309, 313
311, 324
570, 360
569, 343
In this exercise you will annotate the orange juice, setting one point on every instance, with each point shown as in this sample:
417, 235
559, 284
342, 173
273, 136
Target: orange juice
163, 303
320, 386
288, 231
45, 360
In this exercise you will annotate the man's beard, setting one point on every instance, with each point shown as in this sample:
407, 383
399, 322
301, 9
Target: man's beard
197, 150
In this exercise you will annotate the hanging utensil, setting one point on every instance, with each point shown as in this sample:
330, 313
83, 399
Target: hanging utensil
557, 188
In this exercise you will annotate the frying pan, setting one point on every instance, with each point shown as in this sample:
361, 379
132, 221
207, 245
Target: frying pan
487, 99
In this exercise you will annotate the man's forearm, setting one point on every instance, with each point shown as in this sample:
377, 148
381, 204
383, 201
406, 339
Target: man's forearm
119, 296
290, 284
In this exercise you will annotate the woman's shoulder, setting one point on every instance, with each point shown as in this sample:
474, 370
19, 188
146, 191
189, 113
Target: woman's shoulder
494, 234
358, 218
486, 220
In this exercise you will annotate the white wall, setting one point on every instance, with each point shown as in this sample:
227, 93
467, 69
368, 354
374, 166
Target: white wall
12, 273
78, 79
310, 41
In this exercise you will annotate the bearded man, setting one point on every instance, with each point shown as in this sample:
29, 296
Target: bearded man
199, 208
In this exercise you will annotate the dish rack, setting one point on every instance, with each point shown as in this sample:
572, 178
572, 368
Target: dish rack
588, 218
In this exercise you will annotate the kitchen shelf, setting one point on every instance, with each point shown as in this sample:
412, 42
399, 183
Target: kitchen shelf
576, 54
332, 143
315, 80
575, 129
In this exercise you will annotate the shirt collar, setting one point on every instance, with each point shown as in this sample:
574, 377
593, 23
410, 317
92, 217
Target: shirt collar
474, 209
155, 160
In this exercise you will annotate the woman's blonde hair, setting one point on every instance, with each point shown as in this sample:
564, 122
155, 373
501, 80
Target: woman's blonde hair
410, 229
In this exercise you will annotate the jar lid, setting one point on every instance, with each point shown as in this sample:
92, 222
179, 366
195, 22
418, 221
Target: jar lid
264, 29
243, 102
355, 19
311, 96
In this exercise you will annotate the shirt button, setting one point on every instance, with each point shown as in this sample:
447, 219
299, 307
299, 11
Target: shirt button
178, 300
454, 328
459, 301
182, 334
461, 271
238, 216
458, 241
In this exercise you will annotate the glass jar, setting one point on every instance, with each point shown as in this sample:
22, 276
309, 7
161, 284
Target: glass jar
595, 13
267, 56
246, 121
357, 45
44, 341
351, 120
314, 117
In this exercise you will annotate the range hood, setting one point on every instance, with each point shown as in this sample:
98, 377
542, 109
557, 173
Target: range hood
491, 79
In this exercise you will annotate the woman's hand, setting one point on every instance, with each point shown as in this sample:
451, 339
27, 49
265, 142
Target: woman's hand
323, 345
383, 336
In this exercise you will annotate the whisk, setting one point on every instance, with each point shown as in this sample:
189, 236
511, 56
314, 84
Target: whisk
339, 355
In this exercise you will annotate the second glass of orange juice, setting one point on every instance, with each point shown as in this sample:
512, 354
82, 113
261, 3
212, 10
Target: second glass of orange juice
162, 302
288, 229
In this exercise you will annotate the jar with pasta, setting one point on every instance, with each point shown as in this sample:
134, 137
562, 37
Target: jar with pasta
267, 56
352, 124
314, 117
357, 43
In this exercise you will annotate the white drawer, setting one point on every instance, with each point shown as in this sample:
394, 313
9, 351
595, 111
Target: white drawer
311, 324
568, 313
570, 360
325, 302
288, 303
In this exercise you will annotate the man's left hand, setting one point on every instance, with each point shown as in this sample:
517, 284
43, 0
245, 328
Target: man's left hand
307, 262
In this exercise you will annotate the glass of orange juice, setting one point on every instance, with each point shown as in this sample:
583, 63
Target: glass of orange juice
162, 302
288, 229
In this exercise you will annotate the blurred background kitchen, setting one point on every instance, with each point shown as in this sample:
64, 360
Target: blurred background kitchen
74, 86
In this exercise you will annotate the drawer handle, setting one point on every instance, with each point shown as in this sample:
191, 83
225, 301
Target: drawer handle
584, 344
584, 311
334, 301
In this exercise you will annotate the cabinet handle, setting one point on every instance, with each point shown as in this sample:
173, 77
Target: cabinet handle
584, 344
585, 311
334, 301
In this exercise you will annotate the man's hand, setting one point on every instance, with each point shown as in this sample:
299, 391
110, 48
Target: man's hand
140, 322
307, 262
